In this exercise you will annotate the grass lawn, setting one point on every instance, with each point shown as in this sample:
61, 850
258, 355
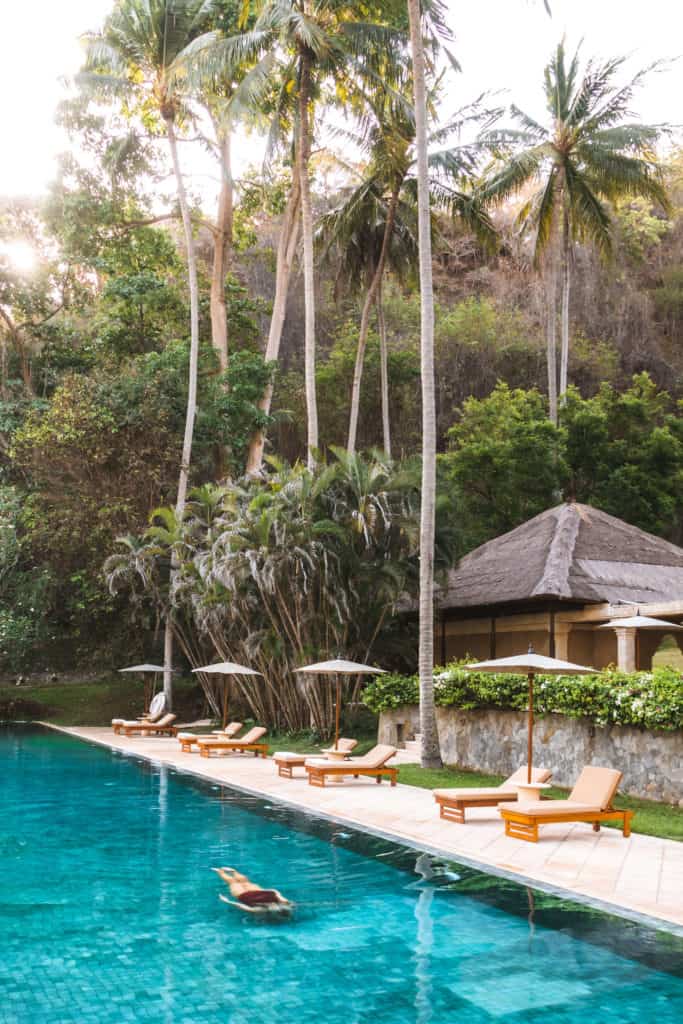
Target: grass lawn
651, 818
93, 703
308, 743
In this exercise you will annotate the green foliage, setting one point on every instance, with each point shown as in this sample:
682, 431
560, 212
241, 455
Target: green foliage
285, 570
505, 462
234, 414
24, 590
640, 229
649, 700
625, 452
620, 451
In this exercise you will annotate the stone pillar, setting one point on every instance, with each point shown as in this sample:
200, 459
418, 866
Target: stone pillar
626, 649
562, 631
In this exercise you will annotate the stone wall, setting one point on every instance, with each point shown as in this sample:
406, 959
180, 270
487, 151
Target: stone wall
495, 741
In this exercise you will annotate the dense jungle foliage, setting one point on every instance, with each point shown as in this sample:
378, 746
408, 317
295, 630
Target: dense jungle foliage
289, 562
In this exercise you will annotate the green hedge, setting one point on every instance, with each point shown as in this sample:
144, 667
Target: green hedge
651, 700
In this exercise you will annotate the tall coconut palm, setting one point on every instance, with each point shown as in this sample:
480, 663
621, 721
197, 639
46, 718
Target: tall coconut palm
134, 54
308, 44
431, 756
584, 158
367, 233
373, 225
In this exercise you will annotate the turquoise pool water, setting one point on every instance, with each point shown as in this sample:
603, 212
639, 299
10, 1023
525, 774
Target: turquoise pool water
108, 912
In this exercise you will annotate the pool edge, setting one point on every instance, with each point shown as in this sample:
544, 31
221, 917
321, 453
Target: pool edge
605, 906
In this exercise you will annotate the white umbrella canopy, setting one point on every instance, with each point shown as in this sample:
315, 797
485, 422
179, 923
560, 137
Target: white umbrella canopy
530, 664
639, 622
227, 668
143, 670
339, 667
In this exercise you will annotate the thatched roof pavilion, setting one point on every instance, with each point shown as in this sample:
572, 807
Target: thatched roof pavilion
553, 579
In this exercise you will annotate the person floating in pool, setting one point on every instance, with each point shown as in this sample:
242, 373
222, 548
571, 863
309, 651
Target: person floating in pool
251, 897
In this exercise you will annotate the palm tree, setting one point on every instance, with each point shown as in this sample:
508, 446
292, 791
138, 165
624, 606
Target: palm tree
373, 226
431, 756
135, 54
586, 157
366, 234
331, 41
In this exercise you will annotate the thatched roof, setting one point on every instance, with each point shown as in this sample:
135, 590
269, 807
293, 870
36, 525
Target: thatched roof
570, 553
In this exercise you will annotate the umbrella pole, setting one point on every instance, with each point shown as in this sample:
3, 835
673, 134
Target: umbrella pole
530, 729
225, 703
336, 715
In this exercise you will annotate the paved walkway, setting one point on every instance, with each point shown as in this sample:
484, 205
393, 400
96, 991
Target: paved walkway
640, 875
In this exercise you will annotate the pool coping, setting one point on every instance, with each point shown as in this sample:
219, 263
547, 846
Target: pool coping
605, 906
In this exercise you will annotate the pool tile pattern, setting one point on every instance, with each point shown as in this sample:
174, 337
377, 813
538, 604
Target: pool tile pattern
642, 874
109, 913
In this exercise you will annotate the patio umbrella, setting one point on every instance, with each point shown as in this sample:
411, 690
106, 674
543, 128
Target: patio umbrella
227, 668
339, 667
530, 664
144, 671
637, 622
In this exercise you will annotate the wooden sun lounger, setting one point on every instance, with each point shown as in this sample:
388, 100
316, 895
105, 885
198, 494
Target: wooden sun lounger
209, 745
286, 761
374, 764
454, 802
590, 801
161, 728
188, 739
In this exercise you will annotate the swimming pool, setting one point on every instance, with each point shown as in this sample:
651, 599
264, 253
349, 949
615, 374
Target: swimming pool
109, 912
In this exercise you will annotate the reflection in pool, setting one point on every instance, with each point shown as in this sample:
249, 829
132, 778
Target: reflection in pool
109, 912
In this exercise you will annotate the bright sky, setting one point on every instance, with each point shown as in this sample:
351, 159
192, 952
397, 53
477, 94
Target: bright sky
501, 44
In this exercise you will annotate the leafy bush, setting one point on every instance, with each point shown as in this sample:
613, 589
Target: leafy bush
649, 700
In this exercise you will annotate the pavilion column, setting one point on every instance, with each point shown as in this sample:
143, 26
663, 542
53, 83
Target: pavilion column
562, 631
626, 649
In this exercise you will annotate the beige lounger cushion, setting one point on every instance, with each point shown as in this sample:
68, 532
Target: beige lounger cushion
477, 793
592, 793
344, 744
546, 808
229, 732
288, 755
596, 786
253, 736
148, 726
506, 791
375, 758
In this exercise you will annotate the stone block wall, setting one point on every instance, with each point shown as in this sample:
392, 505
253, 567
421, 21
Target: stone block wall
495, 741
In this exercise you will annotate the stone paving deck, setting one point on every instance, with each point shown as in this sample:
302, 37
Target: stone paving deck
642, 875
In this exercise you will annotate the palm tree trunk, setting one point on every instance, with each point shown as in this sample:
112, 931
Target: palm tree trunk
286, 250
384, 374
566, 281
365, 321
222, 253
551, 332
307, 231
431, 756
191, 410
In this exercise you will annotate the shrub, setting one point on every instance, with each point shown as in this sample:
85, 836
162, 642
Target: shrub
649, 700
